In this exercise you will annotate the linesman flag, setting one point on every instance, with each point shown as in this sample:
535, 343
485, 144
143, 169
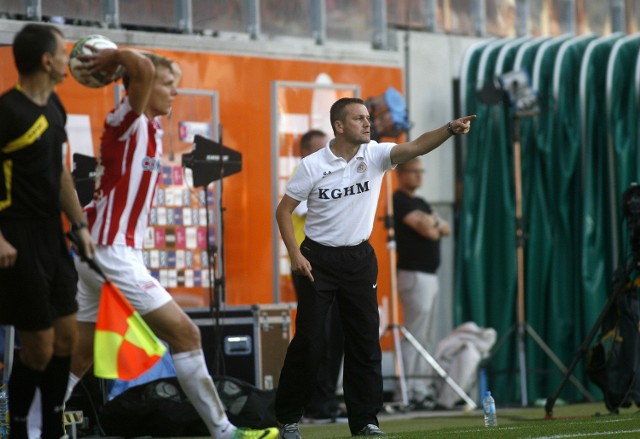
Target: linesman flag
124, 346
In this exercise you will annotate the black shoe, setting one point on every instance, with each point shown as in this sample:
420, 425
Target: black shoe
370, 430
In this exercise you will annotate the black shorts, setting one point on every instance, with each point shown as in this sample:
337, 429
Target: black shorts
42, 284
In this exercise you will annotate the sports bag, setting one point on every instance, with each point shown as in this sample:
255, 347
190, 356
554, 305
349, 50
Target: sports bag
160, 408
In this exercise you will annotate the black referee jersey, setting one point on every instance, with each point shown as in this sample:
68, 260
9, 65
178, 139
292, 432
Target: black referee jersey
31, 144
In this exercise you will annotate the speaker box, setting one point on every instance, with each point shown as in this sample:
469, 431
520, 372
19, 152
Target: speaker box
245, 342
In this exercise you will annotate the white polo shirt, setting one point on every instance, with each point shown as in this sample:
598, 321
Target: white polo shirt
342, 197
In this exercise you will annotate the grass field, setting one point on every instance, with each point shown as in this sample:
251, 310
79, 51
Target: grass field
569, 421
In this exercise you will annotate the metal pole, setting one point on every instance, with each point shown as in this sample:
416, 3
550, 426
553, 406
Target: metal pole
520, 259
395, 315
253, 18
380, 25
618, 16
522, 18
319, 21
111, 13
568, 16
479, 18
441, 372
33, 10
184, 12
430, 19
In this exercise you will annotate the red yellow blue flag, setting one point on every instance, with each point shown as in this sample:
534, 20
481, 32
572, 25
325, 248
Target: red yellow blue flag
124, 346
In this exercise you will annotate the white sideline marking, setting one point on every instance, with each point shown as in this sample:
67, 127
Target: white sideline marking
561, 436
598, 433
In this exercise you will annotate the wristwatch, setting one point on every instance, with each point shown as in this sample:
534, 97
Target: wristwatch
450, 129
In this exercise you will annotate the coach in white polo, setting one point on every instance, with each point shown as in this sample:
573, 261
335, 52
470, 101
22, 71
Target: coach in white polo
341, 184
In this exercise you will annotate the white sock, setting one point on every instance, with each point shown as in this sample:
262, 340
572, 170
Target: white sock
34, 421
194, 378
71, 384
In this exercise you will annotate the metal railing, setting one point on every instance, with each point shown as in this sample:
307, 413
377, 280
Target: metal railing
346, 20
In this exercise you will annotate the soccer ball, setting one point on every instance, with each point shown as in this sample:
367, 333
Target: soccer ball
98, 79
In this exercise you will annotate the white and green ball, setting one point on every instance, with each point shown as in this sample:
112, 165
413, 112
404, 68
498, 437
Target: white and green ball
98, 79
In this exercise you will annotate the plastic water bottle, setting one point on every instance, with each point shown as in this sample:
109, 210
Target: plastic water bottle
489, 408
4, 410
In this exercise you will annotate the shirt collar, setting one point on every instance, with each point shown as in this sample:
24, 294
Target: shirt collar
331, 157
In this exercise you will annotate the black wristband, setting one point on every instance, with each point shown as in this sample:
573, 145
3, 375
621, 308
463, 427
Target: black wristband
77, 226
453, 133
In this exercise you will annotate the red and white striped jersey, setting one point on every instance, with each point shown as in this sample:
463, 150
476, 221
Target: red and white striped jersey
127, 175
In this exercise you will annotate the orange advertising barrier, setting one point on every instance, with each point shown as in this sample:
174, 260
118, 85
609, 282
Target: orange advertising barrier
244, 88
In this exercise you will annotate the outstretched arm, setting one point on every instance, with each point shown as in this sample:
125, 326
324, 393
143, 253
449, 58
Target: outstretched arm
430, 140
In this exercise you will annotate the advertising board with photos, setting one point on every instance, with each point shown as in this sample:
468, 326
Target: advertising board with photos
175, 246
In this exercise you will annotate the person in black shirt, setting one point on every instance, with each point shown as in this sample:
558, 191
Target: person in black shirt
418, 231
36, 270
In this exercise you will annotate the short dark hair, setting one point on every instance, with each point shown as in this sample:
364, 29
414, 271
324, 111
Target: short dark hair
305, 140
338, 110
31, 42
157, 60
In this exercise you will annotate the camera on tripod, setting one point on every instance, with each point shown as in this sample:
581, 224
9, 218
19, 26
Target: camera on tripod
613, 363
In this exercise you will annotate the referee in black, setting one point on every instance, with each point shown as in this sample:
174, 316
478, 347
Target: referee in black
37, 276
341, 184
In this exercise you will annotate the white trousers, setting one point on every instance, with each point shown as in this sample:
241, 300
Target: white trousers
417, 292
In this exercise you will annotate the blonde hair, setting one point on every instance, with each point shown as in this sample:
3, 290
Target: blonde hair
157, 60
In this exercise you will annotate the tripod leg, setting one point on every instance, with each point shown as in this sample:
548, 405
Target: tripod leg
521, 357
586, 342
523, 367
548, 408
441, 372
391, 245
502, 341
400, 366
558, 363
